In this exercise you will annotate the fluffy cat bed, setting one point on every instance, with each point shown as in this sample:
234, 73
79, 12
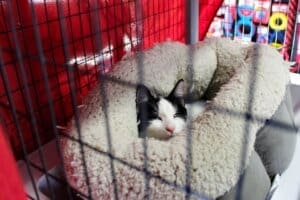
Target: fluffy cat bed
224, 71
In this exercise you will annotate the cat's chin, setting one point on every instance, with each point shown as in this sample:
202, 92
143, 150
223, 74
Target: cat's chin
161, 135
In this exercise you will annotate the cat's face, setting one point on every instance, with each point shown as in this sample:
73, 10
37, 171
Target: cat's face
161, 117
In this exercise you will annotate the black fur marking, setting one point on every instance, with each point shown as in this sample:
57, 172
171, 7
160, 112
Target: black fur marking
147, 105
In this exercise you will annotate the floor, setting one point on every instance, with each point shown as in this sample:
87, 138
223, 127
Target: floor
288, 183
51, 161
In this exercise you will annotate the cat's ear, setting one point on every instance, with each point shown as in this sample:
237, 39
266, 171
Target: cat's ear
179, 90
143, 94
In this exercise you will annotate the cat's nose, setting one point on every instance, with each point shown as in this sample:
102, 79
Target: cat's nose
170, 129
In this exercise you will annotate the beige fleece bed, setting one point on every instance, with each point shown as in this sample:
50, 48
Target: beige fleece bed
223, 70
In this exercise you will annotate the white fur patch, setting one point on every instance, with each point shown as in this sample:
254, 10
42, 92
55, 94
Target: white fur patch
195, 109
166, 112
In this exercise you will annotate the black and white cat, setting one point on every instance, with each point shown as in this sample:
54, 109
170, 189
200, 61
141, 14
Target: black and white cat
163, 117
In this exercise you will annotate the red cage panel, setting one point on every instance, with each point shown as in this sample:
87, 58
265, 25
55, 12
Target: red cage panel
78, 38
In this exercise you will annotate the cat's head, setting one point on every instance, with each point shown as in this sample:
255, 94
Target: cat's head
161, 117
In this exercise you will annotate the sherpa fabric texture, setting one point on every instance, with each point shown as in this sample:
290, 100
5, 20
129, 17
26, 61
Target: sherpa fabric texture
239, 78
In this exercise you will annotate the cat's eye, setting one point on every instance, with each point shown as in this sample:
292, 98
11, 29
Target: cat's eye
159, 118
176, 115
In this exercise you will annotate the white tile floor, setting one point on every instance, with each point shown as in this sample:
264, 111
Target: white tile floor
51, 161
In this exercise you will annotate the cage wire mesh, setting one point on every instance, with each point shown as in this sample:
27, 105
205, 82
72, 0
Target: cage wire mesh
53, 52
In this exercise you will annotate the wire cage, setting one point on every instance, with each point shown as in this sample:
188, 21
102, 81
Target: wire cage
68, 39
53, 52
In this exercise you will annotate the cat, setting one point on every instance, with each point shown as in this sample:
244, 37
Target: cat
163, 117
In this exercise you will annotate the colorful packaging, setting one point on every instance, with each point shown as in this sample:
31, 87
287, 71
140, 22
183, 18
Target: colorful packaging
280, 7
262, 34
261, 21
228, 22
262, 11
215, 29
246, 3
244, 27
278, 25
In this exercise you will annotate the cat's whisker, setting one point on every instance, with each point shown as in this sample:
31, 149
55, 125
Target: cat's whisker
81, 106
